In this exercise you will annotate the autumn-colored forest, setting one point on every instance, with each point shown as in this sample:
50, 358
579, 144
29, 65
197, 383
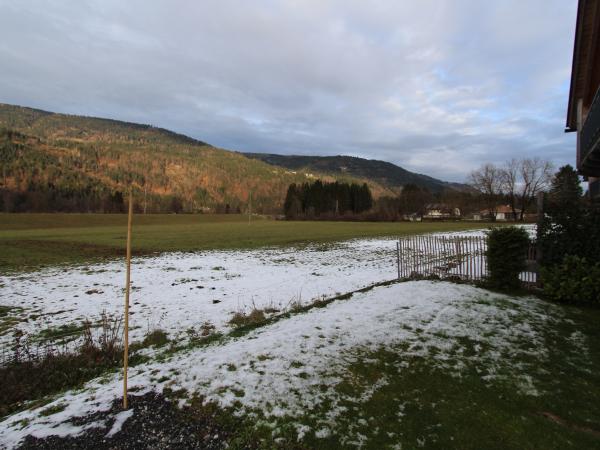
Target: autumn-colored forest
54, 162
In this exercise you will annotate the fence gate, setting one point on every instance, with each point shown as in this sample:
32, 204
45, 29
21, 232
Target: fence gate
451, 256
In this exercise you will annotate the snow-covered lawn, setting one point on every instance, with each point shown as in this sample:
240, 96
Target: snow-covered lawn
292, 367
291, 371
177, 291
181, 290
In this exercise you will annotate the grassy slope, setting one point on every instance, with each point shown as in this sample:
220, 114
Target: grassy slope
40, 240
421, 405
442, 412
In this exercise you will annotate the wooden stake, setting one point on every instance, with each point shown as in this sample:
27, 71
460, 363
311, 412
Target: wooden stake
398, 257
414, 265
419, 255
127, 286
470, 251
431, 254
403, 261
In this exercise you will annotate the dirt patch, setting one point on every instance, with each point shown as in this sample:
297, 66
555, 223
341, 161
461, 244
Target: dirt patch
562, 422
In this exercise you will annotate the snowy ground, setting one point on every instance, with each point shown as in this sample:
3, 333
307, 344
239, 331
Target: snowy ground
293, 366
181, 290
177, 291
288, 368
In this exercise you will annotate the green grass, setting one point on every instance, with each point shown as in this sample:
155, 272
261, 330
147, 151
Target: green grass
421, 404
9, 317
31, 241
62, 333
53, 410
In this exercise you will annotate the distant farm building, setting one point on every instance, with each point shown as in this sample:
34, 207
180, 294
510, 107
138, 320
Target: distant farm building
414, 217
503, 213
440, 211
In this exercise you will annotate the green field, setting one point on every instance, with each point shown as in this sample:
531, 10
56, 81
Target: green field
31, 241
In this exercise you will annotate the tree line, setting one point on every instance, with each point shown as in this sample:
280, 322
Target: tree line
323, 200
518, 181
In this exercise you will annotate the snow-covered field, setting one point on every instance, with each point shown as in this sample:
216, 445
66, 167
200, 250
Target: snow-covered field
287, 368
181, 290
177, 291
293, 366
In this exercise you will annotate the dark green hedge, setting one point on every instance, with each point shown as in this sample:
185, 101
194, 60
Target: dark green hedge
575, 280
506, 256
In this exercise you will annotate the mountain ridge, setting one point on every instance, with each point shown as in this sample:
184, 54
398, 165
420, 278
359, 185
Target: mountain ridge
386, 173
64, 162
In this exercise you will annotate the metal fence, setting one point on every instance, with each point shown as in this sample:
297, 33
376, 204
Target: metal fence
461, 257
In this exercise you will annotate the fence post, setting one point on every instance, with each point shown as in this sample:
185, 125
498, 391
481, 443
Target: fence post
398, 256
483, 256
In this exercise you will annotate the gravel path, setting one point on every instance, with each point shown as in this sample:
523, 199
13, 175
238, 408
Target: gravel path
156, 423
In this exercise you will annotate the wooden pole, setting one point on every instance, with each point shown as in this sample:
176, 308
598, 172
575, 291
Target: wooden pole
482, 258
398, 257
127, 287
401, 254
404, 253
427, 255
249, 207
470, 258
145, 197
419, 256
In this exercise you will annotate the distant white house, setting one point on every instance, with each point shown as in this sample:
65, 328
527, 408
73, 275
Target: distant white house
414, 217
503, 213
440, 211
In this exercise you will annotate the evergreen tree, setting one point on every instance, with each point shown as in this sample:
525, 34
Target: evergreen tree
569, 226
566, 187
313, 199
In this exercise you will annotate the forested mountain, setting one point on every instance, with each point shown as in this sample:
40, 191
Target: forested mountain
382, 172
59, 162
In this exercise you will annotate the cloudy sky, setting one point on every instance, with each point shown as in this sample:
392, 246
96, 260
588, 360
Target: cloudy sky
436, 86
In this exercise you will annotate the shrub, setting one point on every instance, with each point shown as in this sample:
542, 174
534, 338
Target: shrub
506, 256
155, 338
240, 319
574, 280
34, 372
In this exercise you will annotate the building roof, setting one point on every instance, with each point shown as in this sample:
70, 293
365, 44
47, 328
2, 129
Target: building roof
438, 206
504, 209
585, 76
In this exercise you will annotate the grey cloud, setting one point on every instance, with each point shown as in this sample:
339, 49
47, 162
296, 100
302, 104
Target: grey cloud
435, 86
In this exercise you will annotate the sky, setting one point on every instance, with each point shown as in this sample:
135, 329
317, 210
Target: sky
436, 86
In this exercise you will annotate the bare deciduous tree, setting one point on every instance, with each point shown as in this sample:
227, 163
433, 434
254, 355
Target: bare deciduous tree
522, 180
488, 180
518, 179
510, 176
536, 176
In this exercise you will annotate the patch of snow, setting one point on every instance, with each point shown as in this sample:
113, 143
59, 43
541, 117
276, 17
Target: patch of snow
120, 419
